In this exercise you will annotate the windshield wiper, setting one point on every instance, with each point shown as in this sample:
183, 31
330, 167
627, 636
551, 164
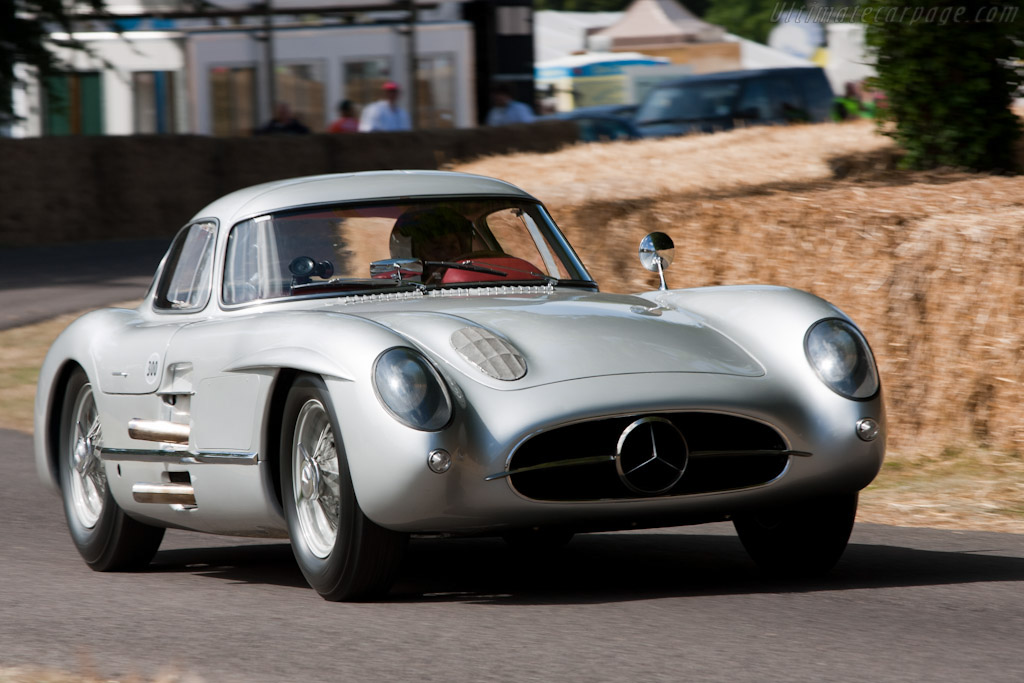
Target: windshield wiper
466, 265
356, 286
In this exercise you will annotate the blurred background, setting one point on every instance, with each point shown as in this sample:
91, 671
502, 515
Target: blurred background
866, 151
129, 67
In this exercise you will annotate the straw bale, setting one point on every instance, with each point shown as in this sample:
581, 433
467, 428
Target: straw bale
928, 264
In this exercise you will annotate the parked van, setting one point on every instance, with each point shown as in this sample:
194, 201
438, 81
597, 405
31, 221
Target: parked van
721, 101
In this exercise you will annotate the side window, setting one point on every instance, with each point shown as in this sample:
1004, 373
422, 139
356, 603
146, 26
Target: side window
241, 268
789, 105
755, 104
817, 93
186, 280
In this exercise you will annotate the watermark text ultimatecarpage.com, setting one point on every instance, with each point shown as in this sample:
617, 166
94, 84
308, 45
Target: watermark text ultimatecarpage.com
941, 16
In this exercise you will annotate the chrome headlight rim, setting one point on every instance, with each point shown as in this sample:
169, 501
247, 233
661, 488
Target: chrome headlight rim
432, 373
864, 352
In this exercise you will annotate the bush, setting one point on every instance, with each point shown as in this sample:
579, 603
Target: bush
949, 70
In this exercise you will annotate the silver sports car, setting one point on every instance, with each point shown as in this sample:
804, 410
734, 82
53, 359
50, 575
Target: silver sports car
344, 360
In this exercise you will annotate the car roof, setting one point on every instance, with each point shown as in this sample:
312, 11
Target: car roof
736, 75
346, 187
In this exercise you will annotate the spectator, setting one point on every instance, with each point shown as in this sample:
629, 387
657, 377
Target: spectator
507, 110
283, 123
347, 122
385, 114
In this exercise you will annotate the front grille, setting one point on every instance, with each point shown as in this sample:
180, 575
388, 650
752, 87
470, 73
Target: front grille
726, 453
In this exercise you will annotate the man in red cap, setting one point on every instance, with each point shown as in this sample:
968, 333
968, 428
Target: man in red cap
385, 114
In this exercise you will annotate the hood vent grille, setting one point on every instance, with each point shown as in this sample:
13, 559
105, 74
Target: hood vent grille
489, 353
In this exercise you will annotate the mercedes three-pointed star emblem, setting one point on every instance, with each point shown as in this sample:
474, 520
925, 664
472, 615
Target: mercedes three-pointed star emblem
651, 456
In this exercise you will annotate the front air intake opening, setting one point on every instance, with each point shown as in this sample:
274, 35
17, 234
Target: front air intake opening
716, 452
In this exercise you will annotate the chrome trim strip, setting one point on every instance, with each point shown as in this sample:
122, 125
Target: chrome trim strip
226, 458
178, 457
609, 458
158, 430
168, 494
726, 454
555, 463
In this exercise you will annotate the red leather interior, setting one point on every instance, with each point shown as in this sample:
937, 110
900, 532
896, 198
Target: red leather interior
517, 269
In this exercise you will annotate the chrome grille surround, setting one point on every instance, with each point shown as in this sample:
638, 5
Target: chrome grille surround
728, 453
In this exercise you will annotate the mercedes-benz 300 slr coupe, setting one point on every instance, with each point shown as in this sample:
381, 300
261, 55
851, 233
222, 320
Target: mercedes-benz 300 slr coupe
344, 360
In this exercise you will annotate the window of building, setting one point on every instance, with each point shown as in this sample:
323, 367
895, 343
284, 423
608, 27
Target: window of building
73, 104
301, 87
364, 78
435, 91
154, 101
233, 100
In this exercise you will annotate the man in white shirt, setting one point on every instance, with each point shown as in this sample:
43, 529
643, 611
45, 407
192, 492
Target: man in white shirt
507, 110
385, 114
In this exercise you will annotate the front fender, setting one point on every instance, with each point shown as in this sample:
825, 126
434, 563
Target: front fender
76, 345
770, 323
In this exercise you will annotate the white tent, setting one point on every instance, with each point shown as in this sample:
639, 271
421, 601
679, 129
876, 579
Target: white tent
558, 34
658, 22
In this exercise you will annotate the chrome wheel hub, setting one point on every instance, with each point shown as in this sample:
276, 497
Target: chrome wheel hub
315, 482
88, 480
310, 480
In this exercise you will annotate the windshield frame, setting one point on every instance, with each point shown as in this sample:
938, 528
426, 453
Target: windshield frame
556, 241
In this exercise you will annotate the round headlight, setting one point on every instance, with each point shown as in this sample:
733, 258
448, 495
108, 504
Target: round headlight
840, 355
412, 390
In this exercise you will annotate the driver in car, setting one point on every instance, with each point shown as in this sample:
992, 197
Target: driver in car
432, 234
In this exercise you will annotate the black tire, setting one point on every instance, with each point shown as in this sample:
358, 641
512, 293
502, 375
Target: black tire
799, 541
110, 540
363, 560
538, 540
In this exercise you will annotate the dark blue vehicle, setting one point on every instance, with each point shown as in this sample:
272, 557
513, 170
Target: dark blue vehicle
721, 101
600, 123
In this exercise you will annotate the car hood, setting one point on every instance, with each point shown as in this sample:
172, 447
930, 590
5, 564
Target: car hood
563, 336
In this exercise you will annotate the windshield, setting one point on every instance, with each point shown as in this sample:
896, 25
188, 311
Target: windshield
348, 249
689, 102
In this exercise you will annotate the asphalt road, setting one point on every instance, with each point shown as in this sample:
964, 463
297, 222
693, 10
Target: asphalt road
38, 283
665, 605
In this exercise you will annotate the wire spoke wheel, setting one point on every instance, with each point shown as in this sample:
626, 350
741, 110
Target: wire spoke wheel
106, 538
88, 479
315, 481
342, 554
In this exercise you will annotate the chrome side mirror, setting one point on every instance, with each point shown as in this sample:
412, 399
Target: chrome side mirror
656, 253
398, 269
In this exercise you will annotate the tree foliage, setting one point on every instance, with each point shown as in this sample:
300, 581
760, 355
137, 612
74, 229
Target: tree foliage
25, 26
751, 19
949, 77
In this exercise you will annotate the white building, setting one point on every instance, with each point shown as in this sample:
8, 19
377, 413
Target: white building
177, 73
